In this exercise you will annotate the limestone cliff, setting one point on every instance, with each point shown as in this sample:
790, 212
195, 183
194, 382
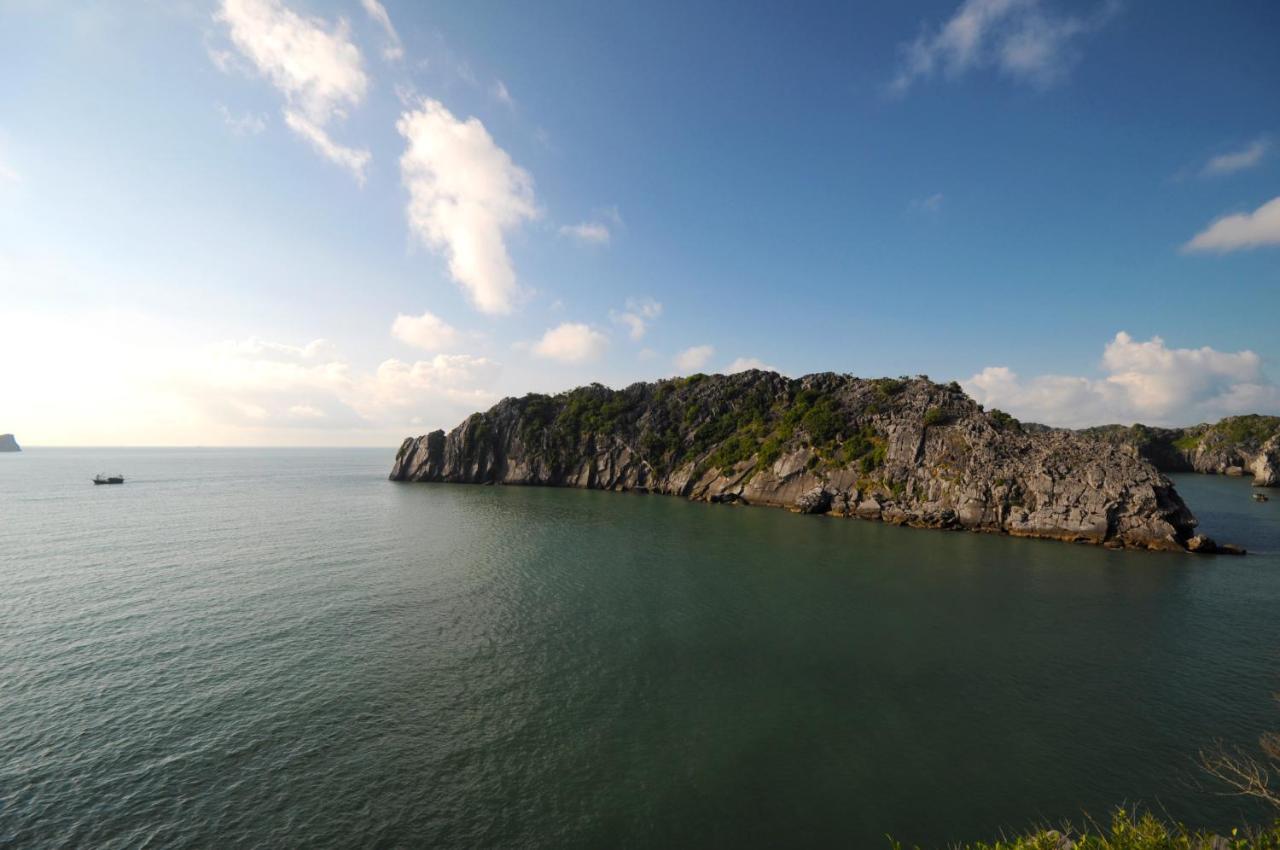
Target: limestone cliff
8, 443
909, 452
1237, 445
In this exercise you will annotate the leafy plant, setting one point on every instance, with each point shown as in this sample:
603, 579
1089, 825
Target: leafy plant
1129, 831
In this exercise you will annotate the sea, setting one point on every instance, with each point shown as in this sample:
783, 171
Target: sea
266, 648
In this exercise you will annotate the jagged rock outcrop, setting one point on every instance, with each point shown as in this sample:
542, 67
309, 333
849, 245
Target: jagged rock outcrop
909, 452
8, 443
1237, 445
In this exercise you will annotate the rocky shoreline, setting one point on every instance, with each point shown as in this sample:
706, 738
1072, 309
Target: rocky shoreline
904, 451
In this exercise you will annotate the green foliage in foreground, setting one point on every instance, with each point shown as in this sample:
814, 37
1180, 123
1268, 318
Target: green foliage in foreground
1130, 831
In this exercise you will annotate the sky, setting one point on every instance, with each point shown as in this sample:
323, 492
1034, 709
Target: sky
343, 222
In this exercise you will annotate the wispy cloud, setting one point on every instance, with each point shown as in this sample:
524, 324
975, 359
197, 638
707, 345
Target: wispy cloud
465, 193
1240, 231
596, 231
394, 50
636, 317
587, 231
931, 204
693, 359
314, 65
245, 124
1022, 38
428, 332
502, 95
1145, 382
354, 160
572, 342
1230, 163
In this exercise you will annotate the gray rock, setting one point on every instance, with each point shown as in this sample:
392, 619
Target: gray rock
823, 443
1236, 446
1266, 465
815, 501
8, 443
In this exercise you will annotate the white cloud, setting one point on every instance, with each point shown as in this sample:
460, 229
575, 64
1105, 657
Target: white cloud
1229, 163
693, 359
315, 66
273, 386
1020, 37
248, 124
465, 193
224, 60
1241, 230
317, 349
743, 364
428, 332
352, 159
266, 384
394, 51
636, 326
153, 380
571, 342
502, 95
459, 378
1145, 381
587, 231
638, 314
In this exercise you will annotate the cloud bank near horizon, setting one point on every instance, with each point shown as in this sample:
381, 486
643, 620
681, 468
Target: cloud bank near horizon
1146, 382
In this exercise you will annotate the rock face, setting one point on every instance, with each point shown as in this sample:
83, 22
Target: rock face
8, 443
1237, 445
909, 452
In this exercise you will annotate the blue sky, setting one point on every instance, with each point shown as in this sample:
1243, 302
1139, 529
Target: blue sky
212, 213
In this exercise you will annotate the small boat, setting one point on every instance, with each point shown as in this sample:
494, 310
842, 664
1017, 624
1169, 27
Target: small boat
108, 479
1261, 497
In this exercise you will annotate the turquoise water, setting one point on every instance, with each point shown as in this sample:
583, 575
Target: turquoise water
261, 648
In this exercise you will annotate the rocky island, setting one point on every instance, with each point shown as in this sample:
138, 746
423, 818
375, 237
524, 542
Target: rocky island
906, 451
8, 443
1237, 445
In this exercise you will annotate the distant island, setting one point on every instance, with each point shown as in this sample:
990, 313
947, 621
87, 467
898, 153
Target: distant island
906, 451
1237, 445
9, 444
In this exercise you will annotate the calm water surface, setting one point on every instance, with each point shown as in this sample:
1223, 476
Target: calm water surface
263, 648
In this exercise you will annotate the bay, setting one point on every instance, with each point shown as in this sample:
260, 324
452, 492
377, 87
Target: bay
261, 648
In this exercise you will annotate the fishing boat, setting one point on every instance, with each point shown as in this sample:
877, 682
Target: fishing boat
1261, 497
108, 479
